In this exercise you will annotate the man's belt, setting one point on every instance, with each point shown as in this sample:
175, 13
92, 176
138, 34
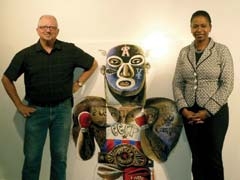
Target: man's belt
125, 155
46, 104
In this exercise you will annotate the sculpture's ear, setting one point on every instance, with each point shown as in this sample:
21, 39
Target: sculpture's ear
103, 52
147, 53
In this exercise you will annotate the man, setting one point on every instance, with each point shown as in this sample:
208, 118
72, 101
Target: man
48, 67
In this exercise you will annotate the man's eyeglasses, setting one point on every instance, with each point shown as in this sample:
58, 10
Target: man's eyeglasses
47, 27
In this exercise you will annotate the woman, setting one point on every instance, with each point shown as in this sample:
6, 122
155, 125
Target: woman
202, 83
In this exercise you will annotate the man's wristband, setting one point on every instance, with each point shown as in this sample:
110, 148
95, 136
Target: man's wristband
80, 84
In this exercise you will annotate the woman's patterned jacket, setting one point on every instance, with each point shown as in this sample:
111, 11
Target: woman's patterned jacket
209, 82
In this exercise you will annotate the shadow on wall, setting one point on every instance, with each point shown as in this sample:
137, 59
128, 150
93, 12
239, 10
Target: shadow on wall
178, 164
19, 122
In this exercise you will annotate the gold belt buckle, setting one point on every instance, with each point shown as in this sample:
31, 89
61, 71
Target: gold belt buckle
125, 155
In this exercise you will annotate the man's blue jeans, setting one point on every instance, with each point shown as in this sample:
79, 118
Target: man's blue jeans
56, 119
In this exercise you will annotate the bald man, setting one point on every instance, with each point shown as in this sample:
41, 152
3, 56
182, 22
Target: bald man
48, 67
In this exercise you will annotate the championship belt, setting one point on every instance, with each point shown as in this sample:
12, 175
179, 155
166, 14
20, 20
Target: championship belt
125, 155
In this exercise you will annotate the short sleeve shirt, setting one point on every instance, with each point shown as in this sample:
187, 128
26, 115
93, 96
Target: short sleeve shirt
48, 77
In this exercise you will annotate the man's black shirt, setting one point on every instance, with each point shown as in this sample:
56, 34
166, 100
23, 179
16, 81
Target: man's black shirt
48, 77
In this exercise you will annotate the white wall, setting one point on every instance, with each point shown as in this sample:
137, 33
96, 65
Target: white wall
102, 24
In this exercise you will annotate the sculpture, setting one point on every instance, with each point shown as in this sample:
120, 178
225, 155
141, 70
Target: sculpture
131, 131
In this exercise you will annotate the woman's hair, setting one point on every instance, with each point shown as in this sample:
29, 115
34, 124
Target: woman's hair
201, 13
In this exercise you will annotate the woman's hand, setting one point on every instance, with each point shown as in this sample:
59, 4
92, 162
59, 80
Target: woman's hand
189, 115
201, 116
195, 118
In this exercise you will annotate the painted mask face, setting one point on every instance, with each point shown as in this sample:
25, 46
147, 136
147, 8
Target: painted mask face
125, 70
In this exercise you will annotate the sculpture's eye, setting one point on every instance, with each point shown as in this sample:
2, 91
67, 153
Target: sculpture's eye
114, 61
137, 60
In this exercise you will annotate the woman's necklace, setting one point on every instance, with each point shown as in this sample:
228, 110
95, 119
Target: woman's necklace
200, 47
199, 51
